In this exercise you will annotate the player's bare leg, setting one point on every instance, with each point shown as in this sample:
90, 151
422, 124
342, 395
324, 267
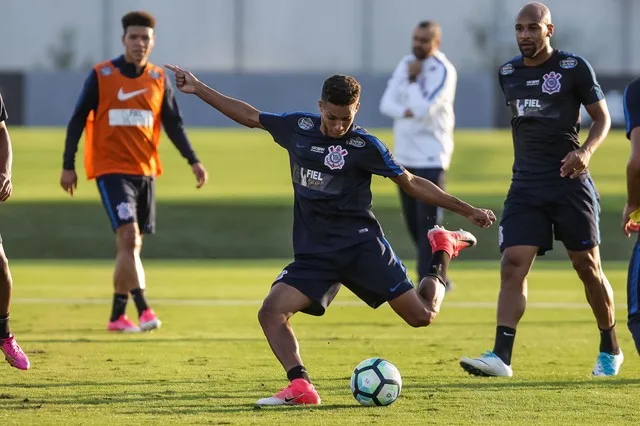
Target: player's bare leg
6, 285
128, 275
597, 288
515, 265
420, 308
14, 355
282, 302
600, 297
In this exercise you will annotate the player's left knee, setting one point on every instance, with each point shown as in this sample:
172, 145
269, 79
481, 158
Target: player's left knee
586, 266
267, 316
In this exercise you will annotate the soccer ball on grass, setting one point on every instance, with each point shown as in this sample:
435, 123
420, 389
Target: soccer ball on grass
375, 381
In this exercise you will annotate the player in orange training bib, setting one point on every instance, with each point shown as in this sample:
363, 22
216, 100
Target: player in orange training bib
123, 104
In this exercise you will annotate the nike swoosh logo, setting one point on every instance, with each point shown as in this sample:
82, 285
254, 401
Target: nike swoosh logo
124, 96
288, 400
395, 287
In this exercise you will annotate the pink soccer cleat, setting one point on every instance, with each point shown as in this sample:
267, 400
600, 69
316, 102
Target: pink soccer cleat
14, 354
452, 242
123, 324
149, 320
299, 392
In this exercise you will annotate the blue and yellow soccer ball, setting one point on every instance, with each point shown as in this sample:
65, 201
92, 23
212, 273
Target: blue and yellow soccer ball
375, 381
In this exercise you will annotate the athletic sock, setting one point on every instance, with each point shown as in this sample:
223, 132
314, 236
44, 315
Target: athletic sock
439, 264
119, 306
505, 336
139, 300
298, 372
609, 341
4, 326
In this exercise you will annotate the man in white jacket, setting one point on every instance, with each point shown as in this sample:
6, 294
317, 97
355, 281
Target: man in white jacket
419, 97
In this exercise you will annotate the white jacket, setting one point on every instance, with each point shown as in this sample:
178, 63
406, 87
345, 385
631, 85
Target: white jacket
426, 139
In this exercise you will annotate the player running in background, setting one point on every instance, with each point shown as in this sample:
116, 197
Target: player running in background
8, 345
336, 238
123, 104
629, 224
552, 193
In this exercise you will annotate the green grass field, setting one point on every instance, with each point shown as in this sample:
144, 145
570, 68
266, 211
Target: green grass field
210, 362
250, 184
216, 252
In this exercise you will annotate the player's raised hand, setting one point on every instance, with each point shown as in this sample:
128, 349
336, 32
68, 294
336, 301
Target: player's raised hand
69, 181
414, 69
185, 81
482, 217
630, 220
200, 173
575, 163
6, 187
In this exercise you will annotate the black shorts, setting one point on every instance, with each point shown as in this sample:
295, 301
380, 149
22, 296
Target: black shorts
371, 270
568, 212
128, 199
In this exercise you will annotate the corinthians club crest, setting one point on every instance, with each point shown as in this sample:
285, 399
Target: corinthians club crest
551, 83
335, 158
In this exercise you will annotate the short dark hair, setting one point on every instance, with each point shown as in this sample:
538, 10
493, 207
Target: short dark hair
138, 18
428, 24
341, 90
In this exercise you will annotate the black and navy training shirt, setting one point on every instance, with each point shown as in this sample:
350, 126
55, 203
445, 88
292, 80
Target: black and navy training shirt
331, 181
545, 103
631, 101
88, 101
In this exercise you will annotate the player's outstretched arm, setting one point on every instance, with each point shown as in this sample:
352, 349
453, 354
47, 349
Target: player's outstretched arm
425, 191
237, 110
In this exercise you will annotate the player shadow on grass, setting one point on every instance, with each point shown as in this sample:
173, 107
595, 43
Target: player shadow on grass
331, 407
73, 384
169, 402
493, 383
244, 408
152, 340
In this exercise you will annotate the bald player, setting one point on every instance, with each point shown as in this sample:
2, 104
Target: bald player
552, 194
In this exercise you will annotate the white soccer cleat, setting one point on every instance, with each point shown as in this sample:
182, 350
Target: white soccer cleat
489, 364
607, 364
